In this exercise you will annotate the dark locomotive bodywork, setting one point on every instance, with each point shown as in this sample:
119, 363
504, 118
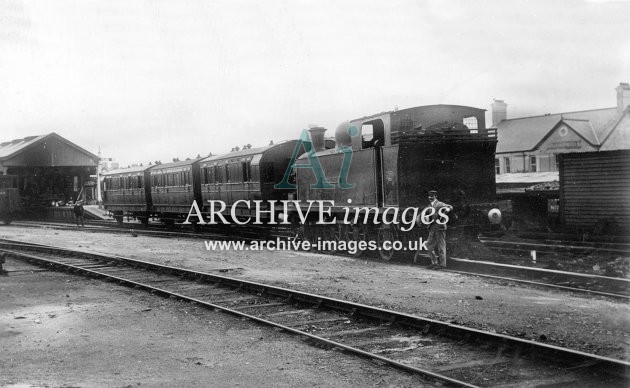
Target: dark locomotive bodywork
9, 198
127, 193
397, 157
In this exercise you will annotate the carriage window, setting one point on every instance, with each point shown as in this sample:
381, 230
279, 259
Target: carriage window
217, 174
246, 166
140, 182
471, 122
235, 172
227, 173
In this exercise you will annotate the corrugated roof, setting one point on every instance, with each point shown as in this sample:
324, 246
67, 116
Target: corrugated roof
523, 134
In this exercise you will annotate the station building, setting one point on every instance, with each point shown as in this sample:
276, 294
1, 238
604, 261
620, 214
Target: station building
50, 169
528, 158
532, 144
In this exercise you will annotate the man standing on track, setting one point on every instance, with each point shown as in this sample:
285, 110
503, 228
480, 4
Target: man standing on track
78, 212
437, 232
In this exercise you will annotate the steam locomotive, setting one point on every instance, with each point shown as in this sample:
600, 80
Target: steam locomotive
385, 161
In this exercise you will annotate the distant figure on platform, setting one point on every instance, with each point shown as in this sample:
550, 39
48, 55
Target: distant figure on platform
437, 232
79, 212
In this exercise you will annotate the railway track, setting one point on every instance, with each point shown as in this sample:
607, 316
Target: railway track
556, 246
439, 352
537, 277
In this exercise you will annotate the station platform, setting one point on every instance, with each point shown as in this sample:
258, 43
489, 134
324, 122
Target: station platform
96, 213
92, 212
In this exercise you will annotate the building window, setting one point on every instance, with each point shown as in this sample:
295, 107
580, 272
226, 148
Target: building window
556, 159
506, 161
532, 163
497, 166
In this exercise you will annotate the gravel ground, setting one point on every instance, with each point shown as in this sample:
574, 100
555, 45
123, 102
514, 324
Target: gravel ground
589, 323
66, 331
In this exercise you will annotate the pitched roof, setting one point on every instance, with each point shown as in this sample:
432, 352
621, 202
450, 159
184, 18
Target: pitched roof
525, 133
9, 148
584, 128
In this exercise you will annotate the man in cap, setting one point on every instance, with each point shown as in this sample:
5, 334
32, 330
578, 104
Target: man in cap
79, 212
437, 232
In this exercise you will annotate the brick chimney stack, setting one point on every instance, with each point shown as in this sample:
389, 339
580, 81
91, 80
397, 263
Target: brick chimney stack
499, 112
623, 96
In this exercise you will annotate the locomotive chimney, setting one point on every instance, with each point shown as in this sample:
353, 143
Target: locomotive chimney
317, 138
499, 112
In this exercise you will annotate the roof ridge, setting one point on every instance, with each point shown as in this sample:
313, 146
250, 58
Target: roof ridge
560, 113
570, 119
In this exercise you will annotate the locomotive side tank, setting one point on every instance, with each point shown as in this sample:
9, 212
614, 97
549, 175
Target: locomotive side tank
126, 192
397, 157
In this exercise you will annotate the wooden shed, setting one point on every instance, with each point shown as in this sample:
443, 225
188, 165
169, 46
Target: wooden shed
595, 192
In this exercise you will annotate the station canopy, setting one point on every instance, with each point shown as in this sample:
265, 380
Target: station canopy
49, 167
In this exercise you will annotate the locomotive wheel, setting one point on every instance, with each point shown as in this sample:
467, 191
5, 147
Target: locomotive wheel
309, 233
356, 233
329, 234
386, 233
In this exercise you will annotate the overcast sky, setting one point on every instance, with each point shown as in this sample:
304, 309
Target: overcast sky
154, 80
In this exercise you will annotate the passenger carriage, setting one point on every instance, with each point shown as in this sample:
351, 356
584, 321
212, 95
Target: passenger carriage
173, 188
247, 175
126, 192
